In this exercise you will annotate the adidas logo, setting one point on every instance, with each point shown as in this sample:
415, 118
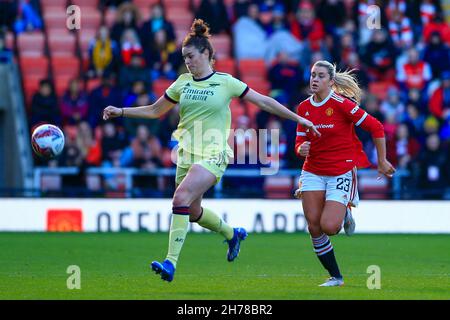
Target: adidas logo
179, 240
188, 84
307, 113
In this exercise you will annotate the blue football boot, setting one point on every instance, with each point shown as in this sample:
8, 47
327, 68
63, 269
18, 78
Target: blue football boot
166, 269
235, 243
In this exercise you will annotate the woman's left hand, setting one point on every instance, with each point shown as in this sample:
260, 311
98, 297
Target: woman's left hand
386, 168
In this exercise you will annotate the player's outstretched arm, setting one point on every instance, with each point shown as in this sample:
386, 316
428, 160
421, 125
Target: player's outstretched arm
152, 111
271, 105
384, 166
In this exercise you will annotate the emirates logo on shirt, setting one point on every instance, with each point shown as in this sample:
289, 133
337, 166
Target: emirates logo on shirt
329, 112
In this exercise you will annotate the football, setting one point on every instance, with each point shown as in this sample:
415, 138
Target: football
47, 141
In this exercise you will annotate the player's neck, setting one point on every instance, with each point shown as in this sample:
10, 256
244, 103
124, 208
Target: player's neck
320, 96
203, 74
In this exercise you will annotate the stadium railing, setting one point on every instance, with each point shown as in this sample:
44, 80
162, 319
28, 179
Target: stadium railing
367, 179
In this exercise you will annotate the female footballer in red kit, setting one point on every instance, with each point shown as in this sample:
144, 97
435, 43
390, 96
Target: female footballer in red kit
328, 186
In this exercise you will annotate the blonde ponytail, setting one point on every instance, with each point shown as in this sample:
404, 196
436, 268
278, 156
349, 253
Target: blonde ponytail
345, 82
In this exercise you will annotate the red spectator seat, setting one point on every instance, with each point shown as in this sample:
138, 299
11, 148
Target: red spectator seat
61, 43
36, 66
92, 84
62, 83
251, 111
90, 19
222, 45
278, 187
260, 85
176, 4
160, 86
55, 18
9, 40
65, 66
180, 18
84, 4
196, 3
53, 3
252, 67
373, 188
144, 4
31, 44
227, 65
85, 62
379, 89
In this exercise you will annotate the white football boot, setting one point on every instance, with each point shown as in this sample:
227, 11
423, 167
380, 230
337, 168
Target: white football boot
349, 222
333, 282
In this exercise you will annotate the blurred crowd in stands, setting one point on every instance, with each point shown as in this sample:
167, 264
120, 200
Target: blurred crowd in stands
400, 50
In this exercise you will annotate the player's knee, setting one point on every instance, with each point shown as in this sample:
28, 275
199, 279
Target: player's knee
181, 198
330, 228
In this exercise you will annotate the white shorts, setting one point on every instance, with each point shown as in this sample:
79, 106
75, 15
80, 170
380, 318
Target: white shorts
343, 188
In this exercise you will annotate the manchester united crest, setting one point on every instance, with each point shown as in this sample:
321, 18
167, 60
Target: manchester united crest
329, 112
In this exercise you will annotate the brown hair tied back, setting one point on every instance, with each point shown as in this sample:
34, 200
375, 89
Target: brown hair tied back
199, 37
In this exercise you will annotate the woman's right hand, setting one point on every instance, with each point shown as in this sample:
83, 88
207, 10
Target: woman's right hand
112, 112
303, 150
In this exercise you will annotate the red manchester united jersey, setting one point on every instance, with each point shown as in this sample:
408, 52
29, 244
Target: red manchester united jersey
338, 150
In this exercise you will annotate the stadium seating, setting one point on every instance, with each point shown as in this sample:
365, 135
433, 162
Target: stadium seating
61, 84
31, 44
83, 4
160, 86
372, 187
61, 42
61, 55
181, 18
65, 66
34, 66
30, 86
144, 4
278, 187
55, 18
222, 45
259, 85
176, 3
53, 3
379, 89
227, 65
90, 19
252, 67
9, 40
92, 84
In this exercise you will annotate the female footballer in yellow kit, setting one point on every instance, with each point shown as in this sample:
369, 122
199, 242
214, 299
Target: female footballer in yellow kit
204, 96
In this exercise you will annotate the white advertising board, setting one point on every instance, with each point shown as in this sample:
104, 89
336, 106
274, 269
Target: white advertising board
256, 215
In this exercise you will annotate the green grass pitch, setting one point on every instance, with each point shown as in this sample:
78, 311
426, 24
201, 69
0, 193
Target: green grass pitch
270, 267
